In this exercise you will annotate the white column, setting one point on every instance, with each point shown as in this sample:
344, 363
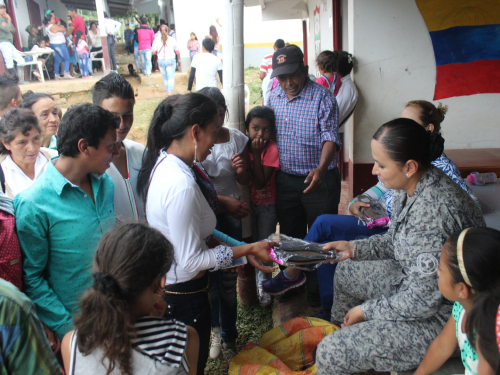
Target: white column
100, 6
233, 55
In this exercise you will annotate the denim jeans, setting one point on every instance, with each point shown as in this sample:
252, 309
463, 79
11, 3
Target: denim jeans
224, 303
167, 70
193, 310
329, 228
136, 58
10, 53
146, 61
60, 53
111, 50
263, 225
83, 62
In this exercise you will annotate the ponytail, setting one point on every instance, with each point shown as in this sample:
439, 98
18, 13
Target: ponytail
171, 120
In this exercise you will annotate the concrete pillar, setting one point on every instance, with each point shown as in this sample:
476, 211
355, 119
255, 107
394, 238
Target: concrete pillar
101, 6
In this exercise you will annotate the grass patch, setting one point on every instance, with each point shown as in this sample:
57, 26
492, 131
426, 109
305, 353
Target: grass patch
254, 83
252, 323
143, 113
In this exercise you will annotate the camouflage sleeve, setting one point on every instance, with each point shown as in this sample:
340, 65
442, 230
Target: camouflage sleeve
377, 247
417, 294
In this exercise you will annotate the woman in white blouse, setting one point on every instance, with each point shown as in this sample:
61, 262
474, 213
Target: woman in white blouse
166, 48
94, 41
58, 44
180, 203
22, 159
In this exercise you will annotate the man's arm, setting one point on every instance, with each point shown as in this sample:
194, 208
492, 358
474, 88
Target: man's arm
262, 75
33, 233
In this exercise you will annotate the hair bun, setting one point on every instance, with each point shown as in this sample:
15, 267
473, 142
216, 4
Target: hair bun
436, 146
106, 284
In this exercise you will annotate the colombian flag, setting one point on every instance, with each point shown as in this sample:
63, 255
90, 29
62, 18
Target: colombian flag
465, 36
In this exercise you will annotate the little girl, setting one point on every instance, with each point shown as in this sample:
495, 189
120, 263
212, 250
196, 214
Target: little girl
193, 45
82, 49
468, 267
483, 332
264, 161
119, 329
327, 65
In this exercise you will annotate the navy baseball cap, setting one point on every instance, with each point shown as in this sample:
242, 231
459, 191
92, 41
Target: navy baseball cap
287, 60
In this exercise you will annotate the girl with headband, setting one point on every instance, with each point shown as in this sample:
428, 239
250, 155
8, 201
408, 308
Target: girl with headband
483, 331
468, 267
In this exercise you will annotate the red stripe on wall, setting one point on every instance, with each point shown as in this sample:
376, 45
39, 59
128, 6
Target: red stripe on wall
476, 77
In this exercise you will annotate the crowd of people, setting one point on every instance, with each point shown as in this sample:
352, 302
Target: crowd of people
113, 254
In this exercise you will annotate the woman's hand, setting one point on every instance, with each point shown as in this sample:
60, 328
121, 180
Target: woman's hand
258, 265
353, 316
354, 207
54, 341
261, 250
344, 249
236, 208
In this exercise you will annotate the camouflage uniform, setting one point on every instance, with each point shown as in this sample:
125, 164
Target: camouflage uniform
394, 279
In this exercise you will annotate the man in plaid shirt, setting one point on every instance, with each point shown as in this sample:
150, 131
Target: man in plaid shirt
308, 183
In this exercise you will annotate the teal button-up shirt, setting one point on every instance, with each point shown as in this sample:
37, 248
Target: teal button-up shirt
59, 227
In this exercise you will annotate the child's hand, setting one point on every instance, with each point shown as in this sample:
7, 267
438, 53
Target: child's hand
258, 145
238, 163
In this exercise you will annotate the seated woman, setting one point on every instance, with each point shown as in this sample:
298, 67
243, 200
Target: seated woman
47, 112
347, 228
181, 203
22, 159
387, 298
120, 329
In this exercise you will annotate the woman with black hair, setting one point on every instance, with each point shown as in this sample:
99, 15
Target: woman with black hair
386, 298
181, 203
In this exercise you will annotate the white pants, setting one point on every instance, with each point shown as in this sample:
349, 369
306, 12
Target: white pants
10, 53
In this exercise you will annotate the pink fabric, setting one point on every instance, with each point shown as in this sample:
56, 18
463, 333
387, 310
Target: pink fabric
269, 158
82, 47
146, 37
10, 251
322, 81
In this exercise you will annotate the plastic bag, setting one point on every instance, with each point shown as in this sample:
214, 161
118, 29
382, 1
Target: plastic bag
293, 252
373, 216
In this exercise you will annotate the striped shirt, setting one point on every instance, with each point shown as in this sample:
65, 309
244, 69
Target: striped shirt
303, 124
267, 64
24, 346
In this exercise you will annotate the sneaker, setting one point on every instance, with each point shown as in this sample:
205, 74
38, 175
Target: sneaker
215, 346
38, 76
280, 284
264, 298
58, 76
68, 76
229, 351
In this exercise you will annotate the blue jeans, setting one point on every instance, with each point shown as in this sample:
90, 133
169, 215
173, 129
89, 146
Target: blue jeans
167, 70
83, 62
111, 51
328, 228
223, 285
263, 225
146, 61
60, 53
136, 58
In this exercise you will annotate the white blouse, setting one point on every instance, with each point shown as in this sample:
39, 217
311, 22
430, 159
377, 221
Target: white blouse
55, 38
218, 164
15, 179
128, 204
347, 98
165, 52
177, 208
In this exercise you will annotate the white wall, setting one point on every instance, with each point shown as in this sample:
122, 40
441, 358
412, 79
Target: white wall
394, 63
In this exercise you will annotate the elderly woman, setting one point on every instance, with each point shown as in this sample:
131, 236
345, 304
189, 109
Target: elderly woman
386, 298
45, 109
181, 203
22, 159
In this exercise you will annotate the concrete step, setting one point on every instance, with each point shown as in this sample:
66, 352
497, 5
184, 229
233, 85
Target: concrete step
61, 101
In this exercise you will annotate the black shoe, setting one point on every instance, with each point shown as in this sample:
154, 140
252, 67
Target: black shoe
313, 299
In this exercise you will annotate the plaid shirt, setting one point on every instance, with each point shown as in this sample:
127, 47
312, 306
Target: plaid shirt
303, 124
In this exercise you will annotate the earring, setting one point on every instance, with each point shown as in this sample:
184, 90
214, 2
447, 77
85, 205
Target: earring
195, 152
407, 175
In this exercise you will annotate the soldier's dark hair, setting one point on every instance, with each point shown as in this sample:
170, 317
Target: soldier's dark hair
404, 139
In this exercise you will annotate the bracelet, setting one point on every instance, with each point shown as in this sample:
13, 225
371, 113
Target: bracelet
354, 251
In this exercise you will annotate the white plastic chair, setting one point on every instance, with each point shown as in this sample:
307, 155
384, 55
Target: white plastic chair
101, 59
39, 67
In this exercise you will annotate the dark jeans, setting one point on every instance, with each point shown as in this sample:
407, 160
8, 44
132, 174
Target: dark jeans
96, 64
223, 285
329, 228
111, 50
193, 310
297, 211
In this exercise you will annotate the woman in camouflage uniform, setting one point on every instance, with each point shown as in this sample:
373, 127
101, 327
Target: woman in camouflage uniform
386, 298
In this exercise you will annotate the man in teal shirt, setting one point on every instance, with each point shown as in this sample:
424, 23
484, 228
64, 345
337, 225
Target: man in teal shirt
61, 218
